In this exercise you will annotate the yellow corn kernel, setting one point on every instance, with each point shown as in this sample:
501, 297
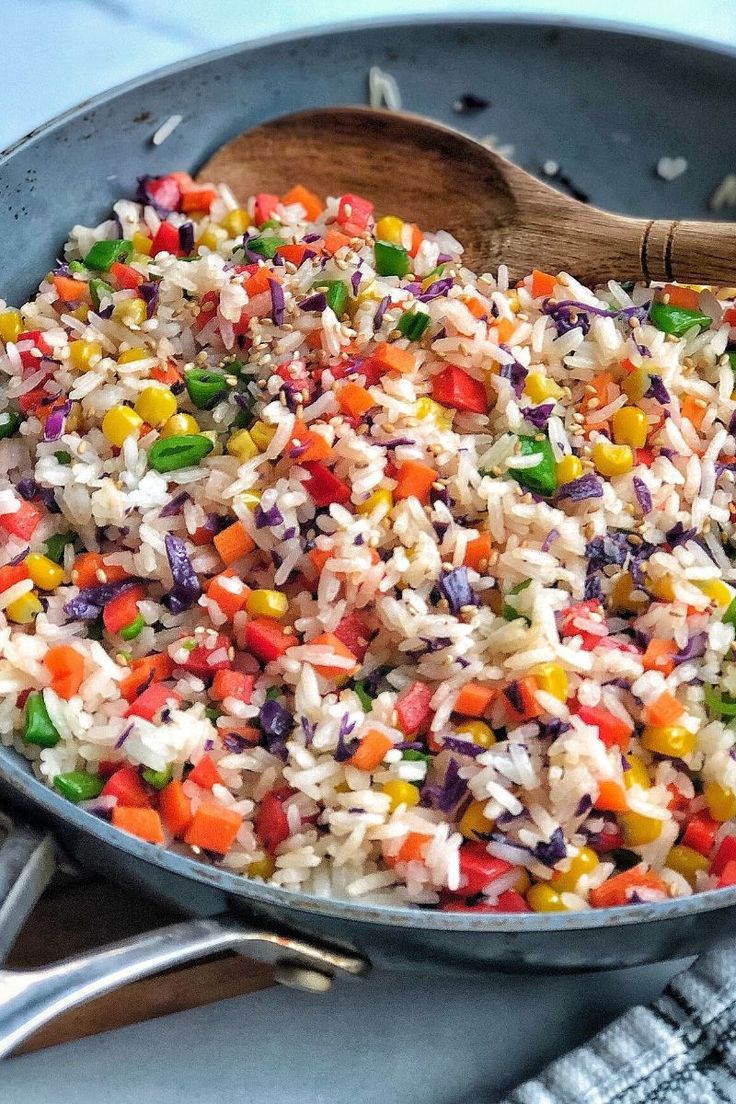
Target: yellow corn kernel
584, 862
131, 355
180, 425
267, 603
630, 427
639, 829
636, 385
400, 792
721, 802
11, 324
130, 312
250, 499
687, 861
625, 596
381, 498
73, 419
389, 229
208, 239
478, 732
522, 883
142, 243
568, 468
673, 740
474, 822
262, 435
429, 408
539, 387
541, 897
514, 301
262, 868
637, 773
44, 572
611, 460
156, 405
84, 354
81, 313
119, 423
242, 446
24, 609
719, 592
236, 222
552, 679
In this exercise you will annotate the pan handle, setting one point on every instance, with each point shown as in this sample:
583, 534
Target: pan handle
27, 863
30, 998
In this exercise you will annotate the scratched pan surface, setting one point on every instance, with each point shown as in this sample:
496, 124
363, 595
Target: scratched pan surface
605, 107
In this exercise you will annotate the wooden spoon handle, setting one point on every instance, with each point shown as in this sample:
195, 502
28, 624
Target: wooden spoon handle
688, 251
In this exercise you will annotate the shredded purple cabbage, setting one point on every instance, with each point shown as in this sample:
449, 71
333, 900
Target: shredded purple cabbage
642, 493
316, 302
19, 558
551, 853
149, 293
463, 747
512, 693
355, 281
309, 728
657, 390
455, 587
538, 416
678, 534
55, 422
90, 600
437, 289
584, 805
566, 317
175, 506
250, 256
449, 793
167, 194
277, 302
380, 311
186, 238
276, 721
516, 374
549, 540
694, 649
345, 748
612, 549
27, 487
267, 519
123, 736
577, 490
186, 589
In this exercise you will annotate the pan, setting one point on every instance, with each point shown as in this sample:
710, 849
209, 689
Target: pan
592, 111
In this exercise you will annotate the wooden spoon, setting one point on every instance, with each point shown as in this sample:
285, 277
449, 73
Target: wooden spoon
441, 179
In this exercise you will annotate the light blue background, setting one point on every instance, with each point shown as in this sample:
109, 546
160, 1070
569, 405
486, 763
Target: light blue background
389, 1039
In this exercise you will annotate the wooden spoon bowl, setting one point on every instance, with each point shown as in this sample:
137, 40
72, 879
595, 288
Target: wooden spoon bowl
432, 175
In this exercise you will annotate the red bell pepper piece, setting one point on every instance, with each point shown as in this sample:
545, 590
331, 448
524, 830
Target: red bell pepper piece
208, 306
508, 901
324, 487
700, 833
478, 869
728, 877
205, 773
166, 240
126, 276
266, 204
579, 609
12, 574
645, 456
354, 212
27, 357
126, 785
725, 854
153, 699
272, 823
232, 684
613, 731
199, 660
197, 199
610, 839
267, 640
122, 610
22, 522
455, 388
730, 316
30, 401
412, 707
353, 631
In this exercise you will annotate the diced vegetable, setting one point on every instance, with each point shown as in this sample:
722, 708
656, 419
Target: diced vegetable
143, 823
78, 785
213, 828
542, 477
39, 728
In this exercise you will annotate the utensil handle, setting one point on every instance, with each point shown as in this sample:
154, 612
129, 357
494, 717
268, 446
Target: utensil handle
30, 998
27, 863
689, 251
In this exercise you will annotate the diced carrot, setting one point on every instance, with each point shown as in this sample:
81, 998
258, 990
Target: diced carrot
628, 366
618, 889
332, 670
681, 297
370, 751
394, 359
478, 310
412, 849
664, 710
305, 445
66, 667
71, 291
259, 282
526, 691
311, 203
197, 199
477, 553
542, 283
230, 600
144, 671
355, 400
417, 237
167, 374
241, 730
659, 656
205, 773
144, 823
213, 828
611, 797
11, 574
474, 699
175, 808
232, 684
335, 240
295, 254
694, 410
505, 329
600, 384
314, 339
126, 276
414, 480
319, 557
90, 570
233, 543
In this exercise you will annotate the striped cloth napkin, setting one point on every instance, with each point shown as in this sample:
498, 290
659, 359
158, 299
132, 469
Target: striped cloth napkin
681, 1050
